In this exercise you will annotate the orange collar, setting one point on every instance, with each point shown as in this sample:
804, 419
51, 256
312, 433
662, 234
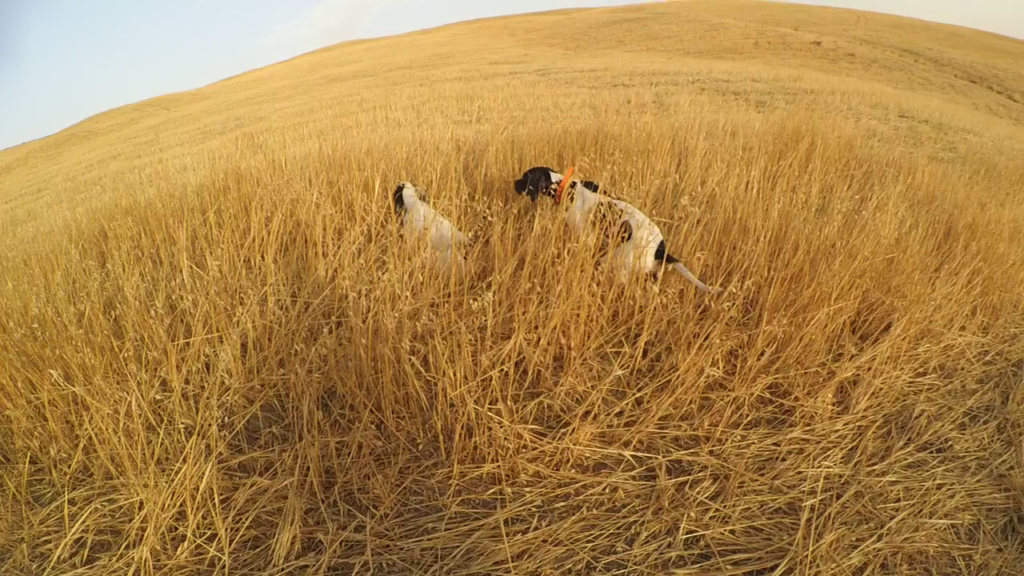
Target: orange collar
563, 185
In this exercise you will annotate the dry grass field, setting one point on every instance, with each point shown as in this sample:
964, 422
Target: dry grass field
216, 357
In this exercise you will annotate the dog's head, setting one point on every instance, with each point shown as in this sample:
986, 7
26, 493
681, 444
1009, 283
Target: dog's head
407, 194
537, 181
541, 180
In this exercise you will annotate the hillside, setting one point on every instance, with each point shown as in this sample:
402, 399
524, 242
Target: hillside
950, 88
215, 356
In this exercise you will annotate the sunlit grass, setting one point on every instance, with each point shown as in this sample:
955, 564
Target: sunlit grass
222, 360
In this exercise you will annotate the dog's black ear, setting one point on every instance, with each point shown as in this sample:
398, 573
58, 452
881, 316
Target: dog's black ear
398, 199
592, 186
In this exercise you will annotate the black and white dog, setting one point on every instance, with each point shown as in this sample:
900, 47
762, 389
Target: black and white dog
418, 218
634, 241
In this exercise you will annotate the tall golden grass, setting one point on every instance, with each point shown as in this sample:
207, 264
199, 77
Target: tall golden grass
217, 357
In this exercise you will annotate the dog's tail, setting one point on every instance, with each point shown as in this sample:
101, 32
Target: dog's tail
676, 265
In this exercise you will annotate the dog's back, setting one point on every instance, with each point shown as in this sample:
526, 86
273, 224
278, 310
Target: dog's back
419, 219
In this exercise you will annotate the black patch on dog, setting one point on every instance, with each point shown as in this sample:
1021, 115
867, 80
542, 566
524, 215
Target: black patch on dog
661, 254
399, 200
534, 182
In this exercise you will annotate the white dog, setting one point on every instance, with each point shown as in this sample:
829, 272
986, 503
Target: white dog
419, 219
634, 241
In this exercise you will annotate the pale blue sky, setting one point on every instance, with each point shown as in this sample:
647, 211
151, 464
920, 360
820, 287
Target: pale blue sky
62, 61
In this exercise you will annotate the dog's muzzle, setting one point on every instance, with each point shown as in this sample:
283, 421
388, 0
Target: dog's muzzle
523, 186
